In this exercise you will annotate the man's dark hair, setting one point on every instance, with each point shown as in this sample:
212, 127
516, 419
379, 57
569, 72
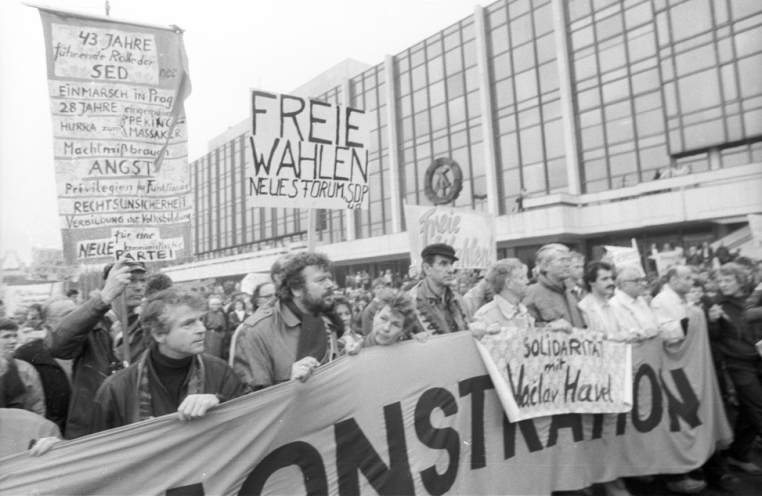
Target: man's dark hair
7, 324
591, 272
258, 289
156, 282
291, 277
72, 292
153, 318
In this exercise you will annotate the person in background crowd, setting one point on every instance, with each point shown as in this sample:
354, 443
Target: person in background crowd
439, 309
216, 322
21, 430
264, 293
732, 328
670, 305
55, 374
291, 338
576, 271
695, 296
158, 281
379, 285
33, 317
549, 299
343, 311
172, 375
508, 281
238, 315
73, 295
14, 371
84, 337
358, 309
388, 278
632, 310
393, 322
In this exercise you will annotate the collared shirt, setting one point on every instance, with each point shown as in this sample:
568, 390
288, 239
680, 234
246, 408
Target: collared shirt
505, 314
599, 315
634, 315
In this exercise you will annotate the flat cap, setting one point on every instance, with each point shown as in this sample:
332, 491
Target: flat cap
439, 249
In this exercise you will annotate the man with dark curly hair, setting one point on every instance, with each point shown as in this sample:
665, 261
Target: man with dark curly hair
290, 338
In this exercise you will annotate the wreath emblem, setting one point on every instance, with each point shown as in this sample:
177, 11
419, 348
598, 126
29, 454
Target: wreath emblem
443, 181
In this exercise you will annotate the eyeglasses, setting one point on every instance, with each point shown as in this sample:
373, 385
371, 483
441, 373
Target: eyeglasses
640, 280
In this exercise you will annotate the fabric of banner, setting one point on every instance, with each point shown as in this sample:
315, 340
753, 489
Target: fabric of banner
412, 418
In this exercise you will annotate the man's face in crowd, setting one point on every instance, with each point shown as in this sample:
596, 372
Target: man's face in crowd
8, 341
266, 294
728, 284
388, 326
215, 304
344, 313
186, 332
135, 289
603, 287
682, 281
518, 282
576, 268
317, 292
441, 272
558, 266
378, 288
633, 285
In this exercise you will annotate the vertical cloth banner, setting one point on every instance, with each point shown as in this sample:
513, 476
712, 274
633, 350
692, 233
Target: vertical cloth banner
755, 225
307, 154
538, 373
471, 233
120, 137
411, 418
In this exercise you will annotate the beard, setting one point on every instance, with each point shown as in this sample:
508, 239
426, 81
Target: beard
317, 305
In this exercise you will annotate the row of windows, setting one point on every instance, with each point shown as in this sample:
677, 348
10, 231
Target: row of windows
655, 84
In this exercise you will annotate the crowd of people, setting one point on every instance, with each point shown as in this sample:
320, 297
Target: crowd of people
142, 348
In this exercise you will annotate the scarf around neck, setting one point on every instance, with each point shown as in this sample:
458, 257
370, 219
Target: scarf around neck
436, 321
195, 380
313, 340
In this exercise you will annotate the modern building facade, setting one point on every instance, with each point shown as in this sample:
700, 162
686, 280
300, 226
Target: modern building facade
588, 122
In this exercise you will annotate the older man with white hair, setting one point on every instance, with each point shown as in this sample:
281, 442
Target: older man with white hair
508, 280
632, 310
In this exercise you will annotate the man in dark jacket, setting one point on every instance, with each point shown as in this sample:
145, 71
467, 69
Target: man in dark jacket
83, 336
172, 375
550, 299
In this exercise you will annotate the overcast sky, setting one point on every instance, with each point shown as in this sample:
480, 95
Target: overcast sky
232, 45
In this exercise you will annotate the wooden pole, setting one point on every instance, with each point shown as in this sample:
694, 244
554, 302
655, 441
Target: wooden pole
311, 213
121, 302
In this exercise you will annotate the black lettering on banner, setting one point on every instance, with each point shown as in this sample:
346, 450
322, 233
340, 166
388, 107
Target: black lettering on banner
528, 431
349, 127
190, 490
314, 120
259, 160
255, 110
648, 424
291, 163
688, 408
597, 426
354, 452
475, 386
298, 453
571, 421
292, 115
435, 438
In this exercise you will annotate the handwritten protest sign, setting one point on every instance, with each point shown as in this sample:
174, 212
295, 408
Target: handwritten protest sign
306, 154
471, 233
667, 259
120, 140
622, 256
538, 373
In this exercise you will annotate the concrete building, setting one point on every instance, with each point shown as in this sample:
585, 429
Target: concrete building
589, 122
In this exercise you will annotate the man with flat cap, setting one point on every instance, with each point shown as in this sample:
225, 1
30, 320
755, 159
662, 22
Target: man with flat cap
439, 309
83, 336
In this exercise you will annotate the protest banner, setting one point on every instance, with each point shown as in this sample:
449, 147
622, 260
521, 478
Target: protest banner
538, 373
667, 259
471, 233
120, 139
306, 154
622, 256
21, 296
412, 418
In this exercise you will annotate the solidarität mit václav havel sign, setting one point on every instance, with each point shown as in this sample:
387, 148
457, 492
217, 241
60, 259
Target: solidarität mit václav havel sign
306, 154
120, 138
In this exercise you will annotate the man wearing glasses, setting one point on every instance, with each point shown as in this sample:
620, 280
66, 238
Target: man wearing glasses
83, 336
632, 310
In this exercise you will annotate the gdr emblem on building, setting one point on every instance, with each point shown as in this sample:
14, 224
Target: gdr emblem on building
443, 181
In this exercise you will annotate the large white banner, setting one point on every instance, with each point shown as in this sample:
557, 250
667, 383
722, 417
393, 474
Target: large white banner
412, 418
306, 153
471, 233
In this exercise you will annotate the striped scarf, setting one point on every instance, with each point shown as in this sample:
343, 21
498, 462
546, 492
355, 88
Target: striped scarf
195, 380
